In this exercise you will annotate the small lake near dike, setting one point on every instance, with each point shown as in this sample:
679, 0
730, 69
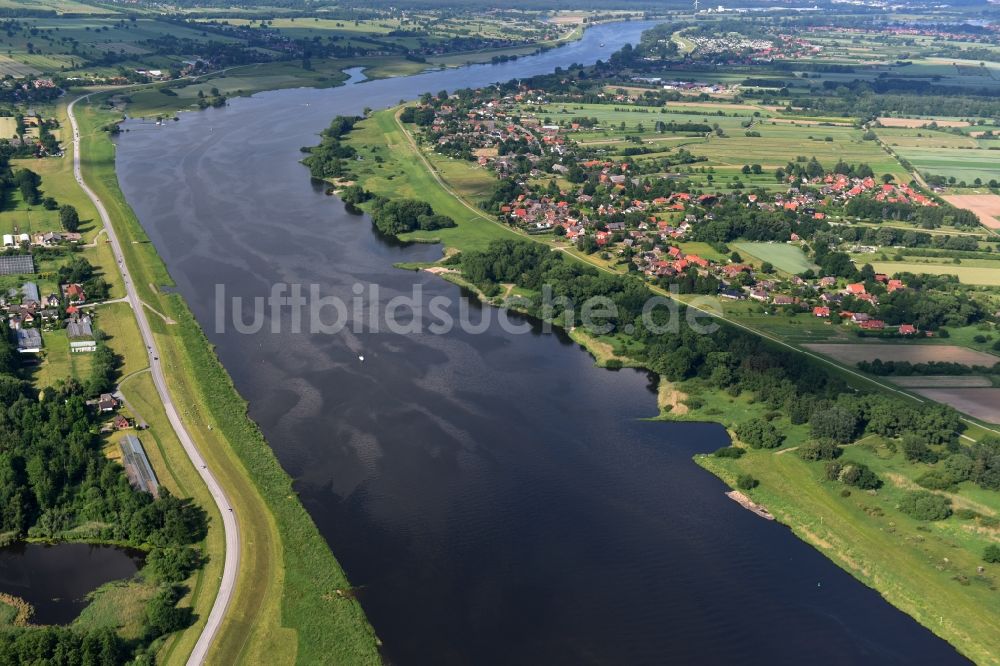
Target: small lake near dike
495, 498
56, 579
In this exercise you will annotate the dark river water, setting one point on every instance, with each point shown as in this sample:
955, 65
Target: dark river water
56, 579
496, 498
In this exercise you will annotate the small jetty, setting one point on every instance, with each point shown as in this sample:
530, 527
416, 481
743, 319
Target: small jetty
749, 504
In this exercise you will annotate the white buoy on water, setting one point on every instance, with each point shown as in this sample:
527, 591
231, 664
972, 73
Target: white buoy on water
361, 358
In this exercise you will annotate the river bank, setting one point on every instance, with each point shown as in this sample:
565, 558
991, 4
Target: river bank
847, 529
270, 615
463, 503
289, 597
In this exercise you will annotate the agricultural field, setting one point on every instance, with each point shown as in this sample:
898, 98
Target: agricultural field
57, 362
19, 217
58, 6
942, 381
987, 273
9, 66
703, 250
980, 403
962, 165
887, 121
784, 257
986, 206
925, 139
851, 354
961, 154
781, 139
8, 127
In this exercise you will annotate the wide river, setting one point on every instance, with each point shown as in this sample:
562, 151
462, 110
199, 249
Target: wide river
496, 498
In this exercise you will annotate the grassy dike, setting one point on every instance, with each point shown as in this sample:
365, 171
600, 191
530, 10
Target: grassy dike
927, 570
290, 604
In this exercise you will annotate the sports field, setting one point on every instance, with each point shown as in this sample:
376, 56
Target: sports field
784, 257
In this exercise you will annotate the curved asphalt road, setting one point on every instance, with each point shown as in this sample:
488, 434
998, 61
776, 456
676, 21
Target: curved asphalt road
232, 560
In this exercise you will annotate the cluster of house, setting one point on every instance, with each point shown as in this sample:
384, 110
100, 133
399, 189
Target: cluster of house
839, 188
107, 403
492, 123
646, 228
739, 281
27, 312
545, 213
153, 74
832, 302
692, 87
44, 239
761, 50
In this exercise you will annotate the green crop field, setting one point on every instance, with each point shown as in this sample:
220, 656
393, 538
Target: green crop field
58, 6
964, 165
981, 275
16, 68
781, 139
702, 250
8, 127
902, 138
784, 257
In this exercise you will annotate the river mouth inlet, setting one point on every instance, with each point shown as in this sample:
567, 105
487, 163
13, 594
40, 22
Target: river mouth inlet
495, 499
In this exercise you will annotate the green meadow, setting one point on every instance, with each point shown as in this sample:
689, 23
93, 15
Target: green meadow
784, 257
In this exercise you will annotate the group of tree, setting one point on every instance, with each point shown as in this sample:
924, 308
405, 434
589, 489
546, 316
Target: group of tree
908, 369
857, 475
82, 272
330, 158
926, 217
69, 218
397, 216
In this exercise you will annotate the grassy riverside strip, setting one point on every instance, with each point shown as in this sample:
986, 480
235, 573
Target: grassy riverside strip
289, 600
174, 469
907, 561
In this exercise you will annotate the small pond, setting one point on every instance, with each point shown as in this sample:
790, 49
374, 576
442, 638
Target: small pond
56, 578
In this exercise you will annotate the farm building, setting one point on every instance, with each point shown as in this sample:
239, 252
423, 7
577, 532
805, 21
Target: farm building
18, 264
29, 341
81, 336
140, 472
106, 403
30, 291
13, 240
